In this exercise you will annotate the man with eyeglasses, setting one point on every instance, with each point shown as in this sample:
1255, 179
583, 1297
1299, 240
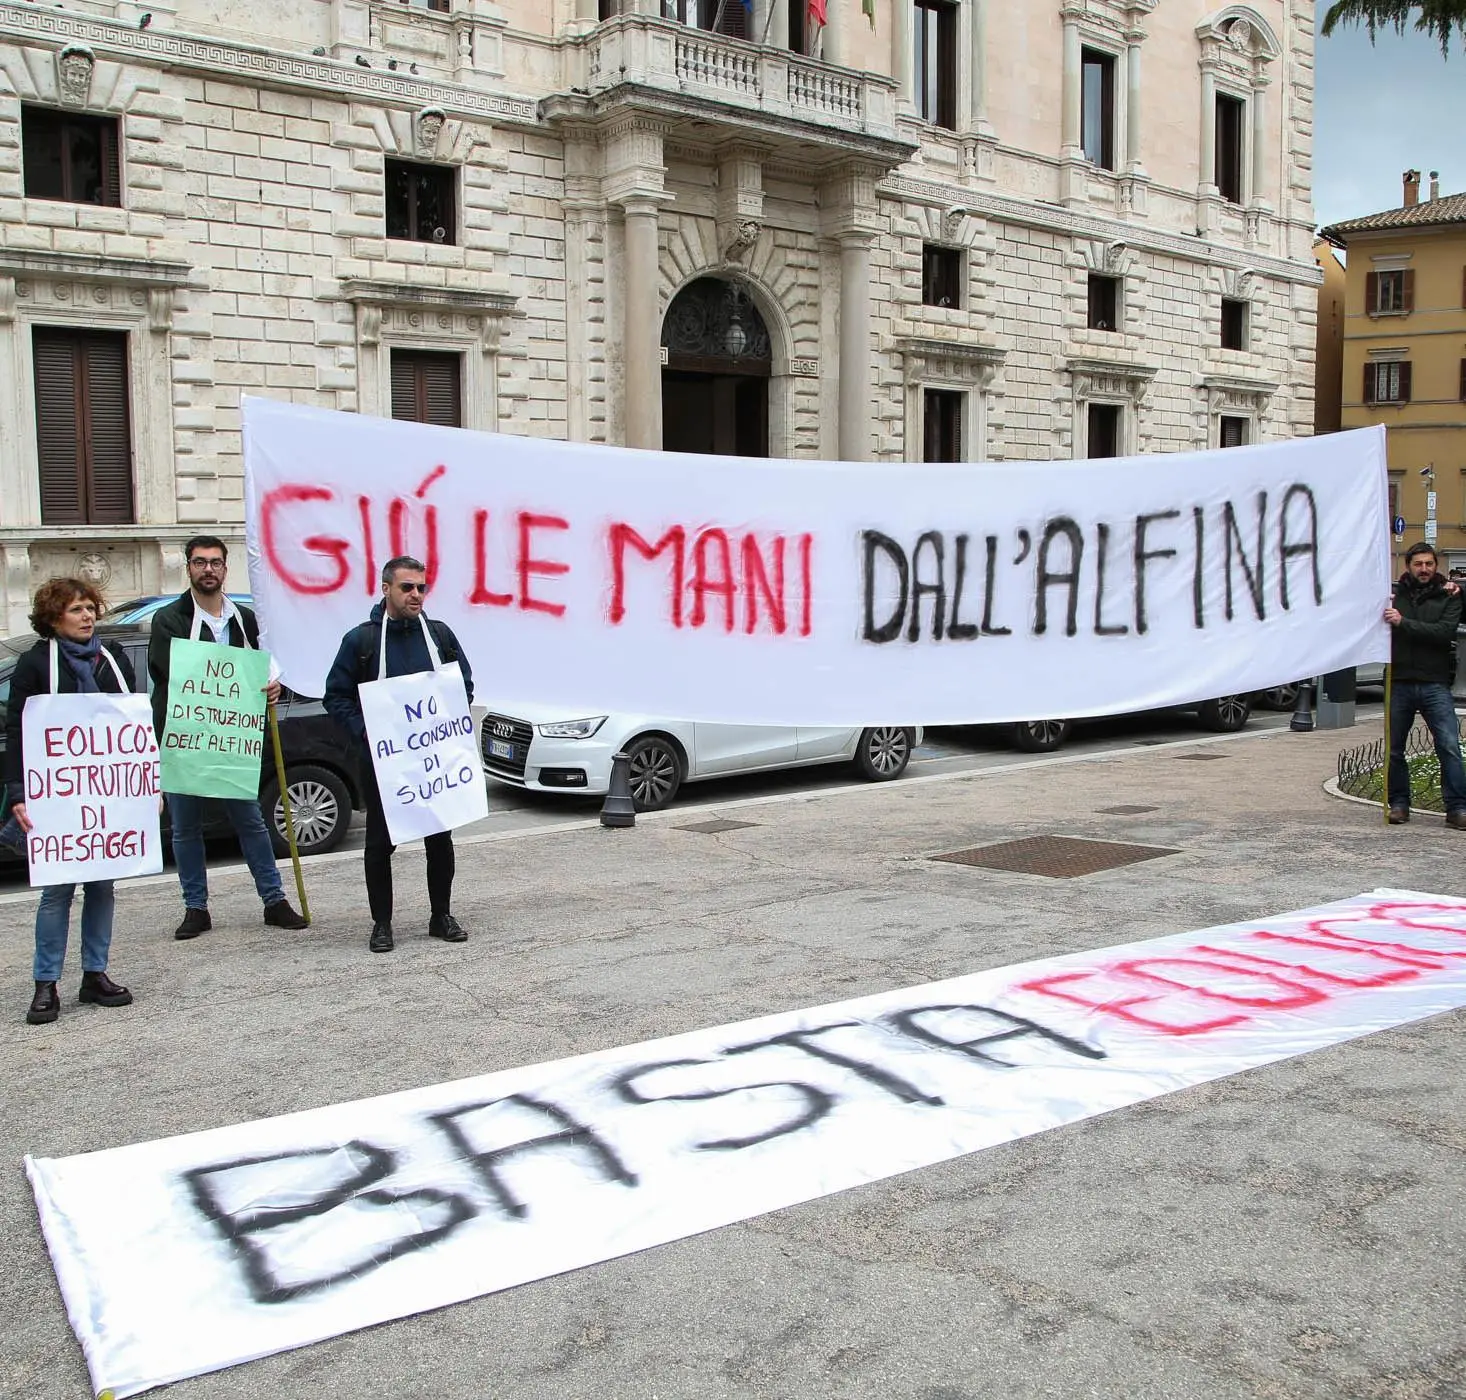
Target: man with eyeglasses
206, 613
398, 635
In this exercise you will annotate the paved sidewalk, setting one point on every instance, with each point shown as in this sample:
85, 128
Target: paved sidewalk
1296, 1231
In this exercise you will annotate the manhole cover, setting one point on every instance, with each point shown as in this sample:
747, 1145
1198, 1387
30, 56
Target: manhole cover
1060, 857
1124, 811
1200, 757
716, 824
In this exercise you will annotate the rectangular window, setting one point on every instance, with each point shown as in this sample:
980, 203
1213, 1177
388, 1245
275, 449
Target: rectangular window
608, 9
728, 17
935, 49
427, 387
1463, 381
83, 432
1103, 430
1232, 432
1104, 302
421, 201
1390, 293
1097, 106
1387, 381
442, 6
799, 39
941, 276
1234, 324
70, 156
941, 425
1230, 114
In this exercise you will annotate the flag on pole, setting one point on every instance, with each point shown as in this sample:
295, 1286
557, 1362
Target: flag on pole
817, 12
869, 7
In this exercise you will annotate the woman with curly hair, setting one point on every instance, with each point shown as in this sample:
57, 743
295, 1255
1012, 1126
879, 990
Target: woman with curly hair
69, 659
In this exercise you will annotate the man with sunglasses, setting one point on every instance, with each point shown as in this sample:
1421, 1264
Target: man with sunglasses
206, 613
399, 634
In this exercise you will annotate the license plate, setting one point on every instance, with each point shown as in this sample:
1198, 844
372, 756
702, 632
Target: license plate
500, 749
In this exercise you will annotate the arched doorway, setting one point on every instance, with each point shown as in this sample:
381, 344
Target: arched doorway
715, 384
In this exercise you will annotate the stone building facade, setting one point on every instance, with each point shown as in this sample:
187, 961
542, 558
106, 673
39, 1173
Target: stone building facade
971, 230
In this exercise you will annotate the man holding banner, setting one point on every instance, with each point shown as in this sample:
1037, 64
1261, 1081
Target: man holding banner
401, 688
211, 705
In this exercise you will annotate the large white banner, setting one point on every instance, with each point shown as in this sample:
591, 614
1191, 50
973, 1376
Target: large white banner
421, 734
781, 592
91, 788
248, 1240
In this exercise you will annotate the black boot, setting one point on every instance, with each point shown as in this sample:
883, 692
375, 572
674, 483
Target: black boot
101, 990
45, 1005
381, 939
195, 922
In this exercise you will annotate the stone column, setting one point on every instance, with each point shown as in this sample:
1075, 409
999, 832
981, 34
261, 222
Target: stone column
587, 11
1132, 100
1258, 193
1071, 136
642, 335
775, 20
856, 389
832, 40
1208, 131
977, 117
901, 56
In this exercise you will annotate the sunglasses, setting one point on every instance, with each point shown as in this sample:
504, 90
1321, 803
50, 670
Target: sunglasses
413, 587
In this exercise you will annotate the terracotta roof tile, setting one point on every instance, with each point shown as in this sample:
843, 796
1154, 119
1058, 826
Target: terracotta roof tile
1450, 209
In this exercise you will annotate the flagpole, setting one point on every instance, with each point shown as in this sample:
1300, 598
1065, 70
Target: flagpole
305, 909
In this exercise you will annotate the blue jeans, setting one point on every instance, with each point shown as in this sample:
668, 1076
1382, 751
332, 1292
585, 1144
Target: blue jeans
186, 817
1433, 702
53, 918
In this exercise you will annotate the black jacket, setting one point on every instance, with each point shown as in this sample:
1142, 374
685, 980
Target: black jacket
407, 652
1422, 648
32, 676
176, 620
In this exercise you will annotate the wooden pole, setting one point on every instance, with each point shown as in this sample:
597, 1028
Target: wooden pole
305, 909
1385, 786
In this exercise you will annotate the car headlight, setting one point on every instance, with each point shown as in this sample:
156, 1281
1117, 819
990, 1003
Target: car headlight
572, 728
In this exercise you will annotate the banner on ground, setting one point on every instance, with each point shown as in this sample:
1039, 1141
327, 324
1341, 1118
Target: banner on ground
91, 788
214, 731
780, 592
244, 1241
421, 734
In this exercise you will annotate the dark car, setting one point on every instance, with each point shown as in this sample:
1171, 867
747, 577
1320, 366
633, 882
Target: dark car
321, 772
1224, 715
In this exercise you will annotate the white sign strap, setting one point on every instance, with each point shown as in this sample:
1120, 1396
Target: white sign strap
421, 732
248, 1240
91, 787
819, 593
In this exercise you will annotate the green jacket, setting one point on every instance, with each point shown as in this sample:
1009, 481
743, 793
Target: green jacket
1423, 647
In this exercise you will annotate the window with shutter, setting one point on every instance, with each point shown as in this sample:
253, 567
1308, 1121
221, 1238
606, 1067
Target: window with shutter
934, 53
1229, 145
1403, 395
1371, 293
1463, 381
83, 428
1232, 432
942, 425
70, 156
420, 201
427, 387
1407, 291
1097, 107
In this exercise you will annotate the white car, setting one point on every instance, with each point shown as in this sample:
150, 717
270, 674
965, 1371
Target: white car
545, 752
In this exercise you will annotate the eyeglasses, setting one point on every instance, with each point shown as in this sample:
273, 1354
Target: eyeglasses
208, 565
413, 588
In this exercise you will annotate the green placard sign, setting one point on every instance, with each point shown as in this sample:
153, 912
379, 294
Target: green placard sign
214, 727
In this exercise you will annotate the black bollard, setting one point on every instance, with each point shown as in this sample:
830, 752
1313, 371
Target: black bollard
1302, 721
619, 809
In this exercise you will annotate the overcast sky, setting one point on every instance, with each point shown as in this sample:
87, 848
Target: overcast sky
1383, 109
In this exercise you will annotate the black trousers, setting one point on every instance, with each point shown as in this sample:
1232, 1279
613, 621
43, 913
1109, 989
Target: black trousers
379, 850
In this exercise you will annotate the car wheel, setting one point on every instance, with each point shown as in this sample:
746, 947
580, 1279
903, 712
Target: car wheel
320, 806
883, 754
1226, 714
656, 772
1040, 735
1279, 697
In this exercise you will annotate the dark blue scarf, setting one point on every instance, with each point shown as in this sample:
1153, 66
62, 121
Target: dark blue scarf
82, 660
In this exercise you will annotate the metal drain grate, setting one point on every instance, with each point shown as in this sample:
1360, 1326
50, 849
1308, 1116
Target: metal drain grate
1059, 857
715, 825
1199, 757
1124, 811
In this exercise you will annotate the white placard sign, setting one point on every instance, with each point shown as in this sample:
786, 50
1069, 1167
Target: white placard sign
243, 1241
796, 592
421, 734
91, 788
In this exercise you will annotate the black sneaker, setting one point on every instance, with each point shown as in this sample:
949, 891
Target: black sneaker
281, 915
381, 939
195, 922
446, 927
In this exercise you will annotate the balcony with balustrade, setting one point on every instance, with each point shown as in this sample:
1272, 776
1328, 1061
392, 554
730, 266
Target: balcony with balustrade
715, 88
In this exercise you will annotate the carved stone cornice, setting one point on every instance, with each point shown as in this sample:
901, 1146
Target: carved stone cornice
93, 267
1004, 209
1110, 378
925, 356
28, 24
366, 291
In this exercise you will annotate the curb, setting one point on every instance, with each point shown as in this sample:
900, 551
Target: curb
1332, 788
